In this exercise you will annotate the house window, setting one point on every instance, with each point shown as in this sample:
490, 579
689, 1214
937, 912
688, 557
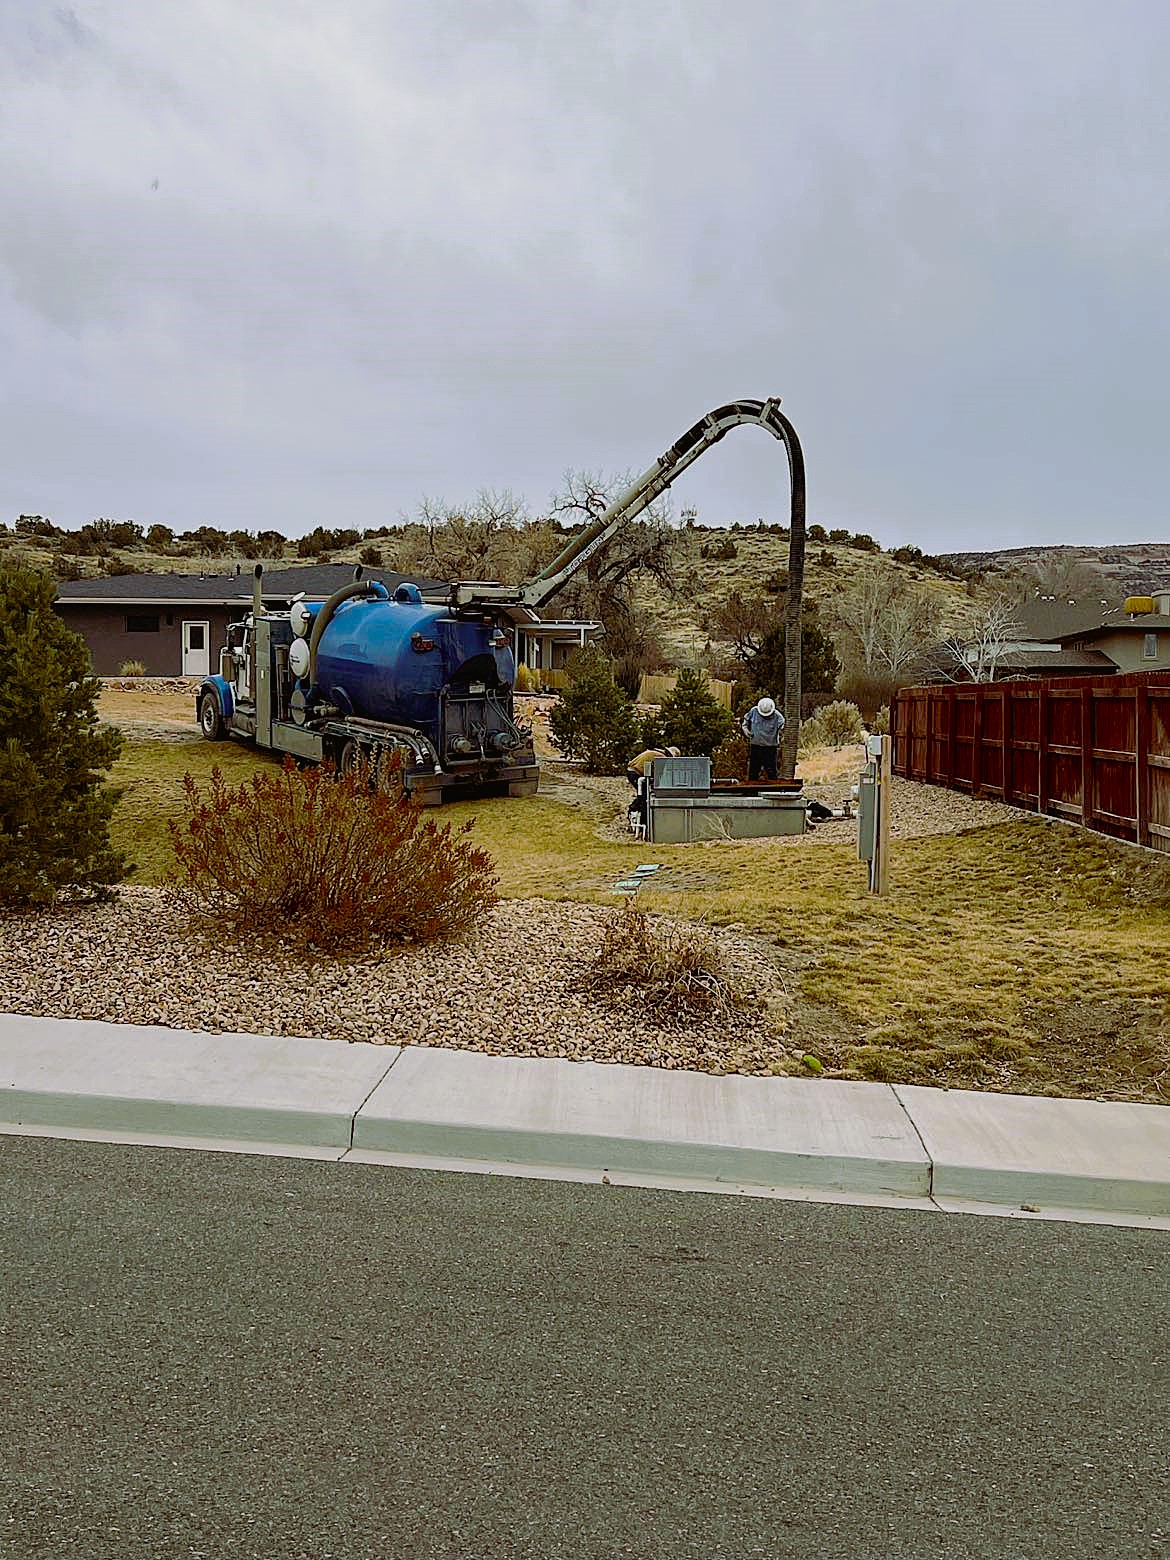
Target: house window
1150, 647
142, 623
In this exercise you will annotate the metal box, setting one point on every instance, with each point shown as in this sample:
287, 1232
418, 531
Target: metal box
867, 813
691, 776
678, 820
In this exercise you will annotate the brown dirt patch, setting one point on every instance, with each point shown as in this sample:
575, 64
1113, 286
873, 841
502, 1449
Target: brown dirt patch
162, 710
1118, 1050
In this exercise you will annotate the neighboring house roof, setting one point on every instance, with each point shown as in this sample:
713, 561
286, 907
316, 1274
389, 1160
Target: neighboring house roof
1146, 623
1025, 661
1045, 619
314, 580
554, 626
135, 589
1069, 663
322, 579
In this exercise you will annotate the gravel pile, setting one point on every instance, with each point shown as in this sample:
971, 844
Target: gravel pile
916, 811
516, 987
152, 684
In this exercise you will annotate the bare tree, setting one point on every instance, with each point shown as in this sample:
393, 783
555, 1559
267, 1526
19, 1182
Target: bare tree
651, 545
976, 652
464, 542
1067, 576
882, 625
744, 622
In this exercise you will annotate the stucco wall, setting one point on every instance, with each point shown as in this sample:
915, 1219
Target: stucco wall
1126, 650
110, 644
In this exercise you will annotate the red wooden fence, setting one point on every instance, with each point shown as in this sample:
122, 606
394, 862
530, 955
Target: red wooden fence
1095, 752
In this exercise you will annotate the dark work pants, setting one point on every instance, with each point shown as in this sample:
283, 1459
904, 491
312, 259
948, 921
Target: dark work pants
761, 759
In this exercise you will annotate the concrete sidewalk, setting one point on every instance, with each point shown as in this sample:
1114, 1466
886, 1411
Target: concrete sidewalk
817, 1138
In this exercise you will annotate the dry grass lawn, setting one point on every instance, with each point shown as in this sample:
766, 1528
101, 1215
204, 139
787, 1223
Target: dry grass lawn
1027, 956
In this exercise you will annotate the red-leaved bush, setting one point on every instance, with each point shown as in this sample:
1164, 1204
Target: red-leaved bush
325, 859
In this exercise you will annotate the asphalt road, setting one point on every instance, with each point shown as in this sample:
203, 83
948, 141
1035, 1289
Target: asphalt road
204, 1355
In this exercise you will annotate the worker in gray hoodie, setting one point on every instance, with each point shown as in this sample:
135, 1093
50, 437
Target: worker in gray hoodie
762, 726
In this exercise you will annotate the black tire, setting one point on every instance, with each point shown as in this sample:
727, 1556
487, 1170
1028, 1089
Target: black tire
210, 720
351, 755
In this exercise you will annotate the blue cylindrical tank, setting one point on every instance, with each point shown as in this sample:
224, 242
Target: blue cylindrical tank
390, 660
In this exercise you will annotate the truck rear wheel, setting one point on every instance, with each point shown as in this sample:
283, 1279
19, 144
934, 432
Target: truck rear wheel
351, 757
210, 720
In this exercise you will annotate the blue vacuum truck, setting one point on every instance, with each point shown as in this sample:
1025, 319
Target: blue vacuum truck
370, 673
425, 677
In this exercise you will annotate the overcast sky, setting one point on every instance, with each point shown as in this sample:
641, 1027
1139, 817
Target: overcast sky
301, 263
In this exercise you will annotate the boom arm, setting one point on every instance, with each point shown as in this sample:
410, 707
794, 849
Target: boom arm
538, 592
708, 431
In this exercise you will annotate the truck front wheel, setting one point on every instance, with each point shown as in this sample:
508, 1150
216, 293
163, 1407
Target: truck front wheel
210, 720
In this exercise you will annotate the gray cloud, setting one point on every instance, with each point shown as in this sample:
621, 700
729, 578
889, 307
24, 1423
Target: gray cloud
397, 250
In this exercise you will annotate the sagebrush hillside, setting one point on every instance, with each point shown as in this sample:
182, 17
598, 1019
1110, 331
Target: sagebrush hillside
710, 564
759, 565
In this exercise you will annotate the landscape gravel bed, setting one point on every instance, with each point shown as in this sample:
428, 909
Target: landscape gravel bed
516, 986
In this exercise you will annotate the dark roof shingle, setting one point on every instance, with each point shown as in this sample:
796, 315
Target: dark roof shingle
1146, 623
314, 580
1046, 618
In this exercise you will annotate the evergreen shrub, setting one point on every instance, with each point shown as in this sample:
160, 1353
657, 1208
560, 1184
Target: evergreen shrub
692, 718
593, 720
836, 725
54, 809
730, 759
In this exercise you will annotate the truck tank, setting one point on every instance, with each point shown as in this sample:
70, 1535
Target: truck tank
403, 661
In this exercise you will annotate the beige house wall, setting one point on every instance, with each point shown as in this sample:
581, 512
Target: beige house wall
1126, 649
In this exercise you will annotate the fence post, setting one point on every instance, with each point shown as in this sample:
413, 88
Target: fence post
952, 743
883, 818
1087, 755
1008, 724
1141, 760
1042, 713
977, 743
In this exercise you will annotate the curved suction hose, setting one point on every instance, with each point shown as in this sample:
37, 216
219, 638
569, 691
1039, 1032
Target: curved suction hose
358, 587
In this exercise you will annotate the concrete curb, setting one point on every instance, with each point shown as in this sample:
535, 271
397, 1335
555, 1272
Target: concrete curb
853, 1137
917, 1146
132, 1078
1018, 1148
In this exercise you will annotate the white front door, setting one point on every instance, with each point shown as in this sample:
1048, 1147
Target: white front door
196, 649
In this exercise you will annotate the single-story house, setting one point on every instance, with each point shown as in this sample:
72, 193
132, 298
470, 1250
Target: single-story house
174, 624
546, 645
